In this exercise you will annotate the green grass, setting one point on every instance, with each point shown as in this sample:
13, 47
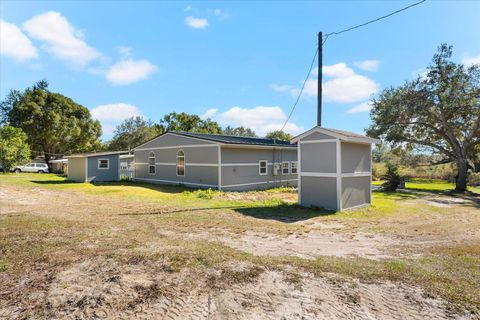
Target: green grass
450, 272
430, 185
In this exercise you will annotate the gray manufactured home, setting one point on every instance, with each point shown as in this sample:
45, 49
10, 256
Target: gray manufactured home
335, 168
94, 167
216, 161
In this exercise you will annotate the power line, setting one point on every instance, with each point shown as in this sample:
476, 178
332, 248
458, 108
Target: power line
336, 33
374, 20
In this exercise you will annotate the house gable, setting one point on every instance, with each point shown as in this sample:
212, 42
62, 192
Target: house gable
170, 139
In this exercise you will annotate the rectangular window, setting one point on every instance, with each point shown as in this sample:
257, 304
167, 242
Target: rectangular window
285, 167
103, 164
262, 167
294, 167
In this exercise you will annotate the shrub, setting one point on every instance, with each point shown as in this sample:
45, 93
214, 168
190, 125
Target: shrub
392, 178
206, 194
474, 179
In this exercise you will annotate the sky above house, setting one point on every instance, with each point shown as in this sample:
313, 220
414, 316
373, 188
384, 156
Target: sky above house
239, 63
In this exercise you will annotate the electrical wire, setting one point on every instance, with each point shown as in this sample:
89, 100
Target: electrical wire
336, 33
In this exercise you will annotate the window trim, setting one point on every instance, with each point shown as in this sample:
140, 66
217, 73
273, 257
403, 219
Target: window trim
291, 167
184, 163
151, 155
288, 168
260, 168
103, 159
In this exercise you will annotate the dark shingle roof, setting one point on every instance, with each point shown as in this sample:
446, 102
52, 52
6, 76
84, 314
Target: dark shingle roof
237, 140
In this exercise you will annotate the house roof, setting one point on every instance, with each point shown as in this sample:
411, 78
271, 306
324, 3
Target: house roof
96, 154
232, 140
340, 134
236, 139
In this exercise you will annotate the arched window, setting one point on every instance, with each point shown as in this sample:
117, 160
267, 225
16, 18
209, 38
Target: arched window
180, 163
151, 163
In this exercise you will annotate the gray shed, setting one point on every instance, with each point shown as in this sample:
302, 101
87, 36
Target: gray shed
216, 161
94, 167
335, 168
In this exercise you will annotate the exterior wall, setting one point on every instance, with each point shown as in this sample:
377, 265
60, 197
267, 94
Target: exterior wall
172, 140
317, 136
76, 169
356, 157
127, 163
334, 174
240, 168
355, 191
99, 175
319, 192
319, 157
201, 161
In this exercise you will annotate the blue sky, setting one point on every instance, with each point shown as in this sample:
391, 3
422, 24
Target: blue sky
241, 63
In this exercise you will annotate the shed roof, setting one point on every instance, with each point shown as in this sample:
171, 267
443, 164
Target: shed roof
96, 154
340, 134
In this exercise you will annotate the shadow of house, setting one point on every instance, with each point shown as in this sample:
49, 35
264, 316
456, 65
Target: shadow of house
154, 187
286, 213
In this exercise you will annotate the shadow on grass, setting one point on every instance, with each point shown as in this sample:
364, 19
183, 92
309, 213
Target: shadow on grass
286, 213
472, 197
156, 187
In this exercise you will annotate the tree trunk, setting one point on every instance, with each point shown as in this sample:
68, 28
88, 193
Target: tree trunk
461, 182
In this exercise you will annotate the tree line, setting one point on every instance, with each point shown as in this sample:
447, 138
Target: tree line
38, 122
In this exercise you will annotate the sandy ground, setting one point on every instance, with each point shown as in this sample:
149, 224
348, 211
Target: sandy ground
103, 288
307, 246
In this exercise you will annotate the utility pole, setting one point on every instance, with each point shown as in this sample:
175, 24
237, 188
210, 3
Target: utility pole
319, 84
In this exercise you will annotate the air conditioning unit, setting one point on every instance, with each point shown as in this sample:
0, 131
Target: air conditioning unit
276, 169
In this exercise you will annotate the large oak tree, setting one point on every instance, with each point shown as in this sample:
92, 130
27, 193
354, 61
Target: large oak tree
133, 132
54, 124
439, 111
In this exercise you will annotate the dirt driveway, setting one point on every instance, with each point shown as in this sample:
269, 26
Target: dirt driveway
70, 254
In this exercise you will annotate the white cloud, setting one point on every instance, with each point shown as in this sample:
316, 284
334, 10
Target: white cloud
261, 119
196, 23
471, 60
362, 107
110, 115
368, 65
210, 113
349, 88
281, 87
220, 14
61, 38
14, 43
342, 85
128, 71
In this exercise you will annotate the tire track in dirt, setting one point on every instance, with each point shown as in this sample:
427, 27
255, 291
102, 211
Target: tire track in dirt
106, 289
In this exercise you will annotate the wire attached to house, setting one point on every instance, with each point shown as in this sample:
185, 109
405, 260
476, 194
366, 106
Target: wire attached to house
336, 33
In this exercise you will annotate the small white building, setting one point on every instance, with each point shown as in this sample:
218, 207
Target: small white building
335, 169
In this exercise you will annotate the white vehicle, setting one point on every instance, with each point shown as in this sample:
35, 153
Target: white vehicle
32, 167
